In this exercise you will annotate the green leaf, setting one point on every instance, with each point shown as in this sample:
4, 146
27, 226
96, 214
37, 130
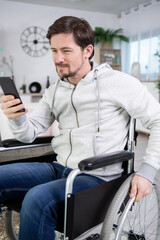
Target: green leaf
157, 84
123, 38
108, 35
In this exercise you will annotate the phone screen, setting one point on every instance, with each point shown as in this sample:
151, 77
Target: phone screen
9, 88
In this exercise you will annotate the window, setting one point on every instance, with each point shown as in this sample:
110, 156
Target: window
143, 51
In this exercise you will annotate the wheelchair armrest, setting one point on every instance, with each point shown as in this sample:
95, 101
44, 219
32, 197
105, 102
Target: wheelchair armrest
105, 160
14, 143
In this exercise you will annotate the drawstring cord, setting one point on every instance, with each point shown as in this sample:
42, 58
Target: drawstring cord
98, 89
56, 85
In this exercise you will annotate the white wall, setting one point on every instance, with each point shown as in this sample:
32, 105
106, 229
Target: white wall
145, 19
15, 17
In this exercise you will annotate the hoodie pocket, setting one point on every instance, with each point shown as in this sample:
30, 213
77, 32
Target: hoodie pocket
102, 143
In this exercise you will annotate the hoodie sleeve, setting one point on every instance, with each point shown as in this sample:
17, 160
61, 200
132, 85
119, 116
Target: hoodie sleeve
128, 93
27, 127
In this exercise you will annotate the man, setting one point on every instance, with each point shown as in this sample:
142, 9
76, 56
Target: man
92, 105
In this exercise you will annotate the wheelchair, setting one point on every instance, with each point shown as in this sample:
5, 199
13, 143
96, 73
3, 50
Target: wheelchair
107, 206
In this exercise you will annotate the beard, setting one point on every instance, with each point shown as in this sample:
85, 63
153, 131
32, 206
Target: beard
70, 73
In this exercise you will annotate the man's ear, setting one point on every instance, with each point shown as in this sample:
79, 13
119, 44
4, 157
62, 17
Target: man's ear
88, 50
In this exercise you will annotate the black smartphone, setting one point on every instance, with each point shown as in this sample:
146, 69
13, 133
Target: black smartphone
9, 88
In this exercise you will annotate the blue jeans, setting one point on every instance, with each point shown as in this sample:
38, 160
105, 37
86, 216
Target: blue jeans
41, 187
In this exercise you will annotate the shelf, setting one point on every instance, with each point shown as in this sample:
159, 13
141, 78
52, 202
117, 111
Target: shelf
110, 56
33, 97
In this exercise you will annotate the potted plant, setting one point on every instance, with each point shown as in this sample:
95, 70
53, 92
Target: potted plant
157, 83
157, 54
107, 36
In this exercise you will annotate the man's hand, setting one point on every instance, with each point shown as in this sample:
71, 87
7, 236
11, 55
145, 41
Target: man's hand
140, 187
8, 107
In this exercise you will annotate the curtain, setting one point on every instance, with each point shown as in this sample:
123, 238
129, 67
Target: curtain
142, 26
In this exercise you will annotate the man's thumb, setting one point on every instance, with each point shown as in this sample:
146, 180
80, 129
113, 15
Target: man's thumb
133, 191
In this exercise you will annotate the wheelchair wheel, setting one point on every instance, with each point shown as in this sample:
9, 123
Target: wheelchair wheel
129, 220
12, 224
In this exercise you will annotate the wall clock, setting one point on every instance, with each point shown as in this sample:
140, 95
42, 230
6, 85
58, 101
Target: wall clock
34, 42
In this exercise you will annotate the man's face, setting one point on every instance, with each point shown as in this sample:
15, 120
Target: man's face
69, 58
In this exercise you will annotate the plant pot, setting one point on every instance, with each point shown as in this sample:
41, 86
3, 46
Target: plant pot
107, 45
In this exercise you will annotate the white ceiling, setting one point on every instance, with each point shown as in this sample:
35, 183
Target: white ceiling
105, 6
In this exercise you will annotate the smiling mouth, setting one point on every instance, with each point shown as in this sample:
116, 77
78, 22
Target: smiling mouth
62, 65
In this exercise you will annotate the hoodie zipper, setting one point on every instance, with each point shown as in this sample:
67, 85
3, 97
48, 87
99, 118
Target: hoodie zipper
74, 106
70, 133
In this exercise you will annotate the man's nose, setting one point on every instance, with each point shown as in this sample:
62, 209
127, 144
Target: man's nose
59, 58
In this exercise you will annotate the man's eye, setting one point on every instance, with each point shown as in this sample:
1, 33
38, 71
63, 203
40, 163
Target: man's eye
67, 51
53, 50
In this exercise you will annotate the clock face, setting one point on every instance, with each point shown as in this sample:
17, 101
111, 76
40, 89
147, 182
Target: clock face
34, 42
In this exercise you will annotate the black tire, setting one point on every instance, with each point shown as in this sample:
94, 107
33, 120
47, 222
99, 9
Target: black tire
141, 219
12, 224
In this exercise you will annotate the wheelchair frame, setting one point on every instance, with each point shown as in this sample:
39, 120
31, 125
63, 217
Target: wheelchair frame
94, 163
71, 225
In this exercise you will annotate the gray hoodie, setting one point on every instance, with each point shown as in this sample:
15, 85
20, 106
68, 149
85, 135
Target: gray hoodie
93, 119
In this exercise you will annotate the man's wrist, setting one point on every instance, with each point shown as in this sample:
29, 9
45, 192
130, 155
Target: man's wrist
147, 171
19, 121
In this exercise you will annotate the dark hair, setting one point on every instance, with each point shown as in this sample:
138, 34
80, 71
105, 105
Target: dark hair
80, 28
